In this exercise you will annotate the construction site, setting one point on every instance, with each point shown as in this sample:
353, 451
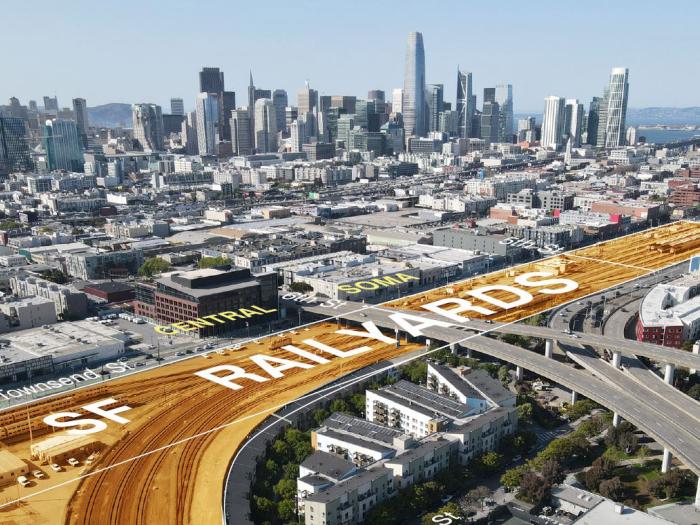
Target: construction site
169, 462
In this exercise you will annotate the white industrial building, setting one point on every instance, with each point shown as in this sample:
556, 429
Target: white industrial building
25, 312
69, 346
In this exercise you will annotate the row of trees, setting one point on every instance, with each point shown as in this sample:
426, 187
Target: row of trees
534, 479
275, 488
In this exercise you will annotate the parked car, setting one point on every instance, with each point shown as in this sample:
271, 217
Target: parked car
38, 474
56, 467
73, 462
24, 481
91, 459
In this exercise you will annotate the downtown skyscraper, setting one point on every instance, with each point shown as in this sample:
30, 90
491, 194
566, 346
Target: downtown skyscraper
611, 126
64, 145
207, 110
265, 126
414, 107
504, 98
148, 126
14, 146
553, 123
81, 118
464, 106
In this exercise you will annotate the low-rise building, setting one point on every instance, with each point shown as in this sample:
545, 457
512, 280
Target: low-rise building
670, 313
68, 302
26, 312
62, 347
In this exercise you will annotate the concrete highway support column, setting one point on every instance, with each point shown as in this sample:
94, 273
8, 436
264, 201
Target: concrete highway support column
617, 358
453, 348
697, 495
548, 348
469, 353
666, 462
574, 396
696, 351
616, 419
518, 373
669, 372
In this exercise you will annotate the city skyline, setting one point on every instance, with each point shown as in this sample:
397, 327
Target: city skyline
330, 67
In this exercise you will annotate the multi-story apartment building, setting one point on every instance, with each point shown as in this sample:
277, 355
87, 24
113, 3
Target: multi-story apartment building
670, 313
103, 265
68, 302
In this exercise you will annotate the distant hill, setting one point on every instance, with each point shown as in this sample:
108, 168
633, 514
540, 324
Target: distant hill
110, 115
656, 115
664, 115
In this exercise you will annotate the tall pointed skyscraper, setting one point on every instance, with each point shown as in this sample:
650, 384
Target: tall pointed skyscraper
414, 110
464, 106
616, 103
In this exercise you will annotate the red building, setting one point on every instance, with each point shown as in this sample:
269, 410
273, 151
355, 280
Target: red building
112, 292
667, 335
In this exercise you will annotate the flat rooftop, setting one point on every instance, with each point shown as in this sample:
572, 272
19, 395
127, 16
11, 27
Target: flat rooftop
354, 439
60, 339
604, 512
386, 219
362, 427
355, 482
328, 465
415, 396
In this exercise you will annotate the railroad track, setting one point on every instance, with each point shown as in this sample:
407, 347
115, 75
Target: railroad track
125, 493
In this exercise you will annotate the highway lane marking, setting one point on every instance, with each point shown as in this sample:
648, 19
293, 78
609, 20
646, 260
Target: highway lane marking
614, 263
281, 418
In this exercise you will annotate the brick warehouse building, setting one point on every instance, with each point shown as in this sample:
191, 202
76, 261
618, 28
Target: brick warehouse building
184, 296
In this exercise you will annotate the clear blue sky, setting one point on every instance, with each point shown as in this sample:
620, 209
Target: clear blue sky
149, 50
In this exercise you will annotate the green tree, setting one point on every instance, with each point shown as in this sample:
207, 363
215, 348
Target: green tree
280, 448
503, 374
319, 415
491, 461
425, 495
611, 489
290, 470
302, 449
212, 262
357, 403
9, 224
286, 488
511, 478
265, 506
300, 287
581, 408
524, 412
55, 276
415, 371
339, 405
153, 266
271, 467
694, 392
287, 509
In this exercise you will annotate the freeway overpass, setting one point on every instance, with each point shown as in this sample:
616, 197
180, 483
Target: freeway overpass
666, 423
356, 312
